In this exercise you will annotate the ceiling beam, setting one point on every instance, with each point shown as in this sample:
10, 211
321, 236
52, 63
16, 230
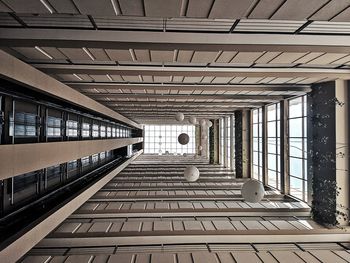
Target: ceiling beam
104, 96
30, 37
187, 104
180, 86
130, 110
193, 71
193, 109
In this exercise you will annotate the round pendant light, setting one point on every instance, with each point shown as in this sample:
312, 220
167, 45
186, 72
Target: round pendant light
253, 191
179, 116
183, 138
191, 173
209, 123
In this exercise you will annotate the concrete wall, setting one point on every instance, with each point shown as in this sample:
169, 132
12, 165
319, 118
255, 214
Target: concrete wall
17, 71
17, 159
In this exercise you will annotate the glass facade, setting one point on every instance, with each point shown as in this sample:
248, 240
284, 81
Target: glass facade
257, 144
160, 139
297, 141
228, 141
273, 146
221, 123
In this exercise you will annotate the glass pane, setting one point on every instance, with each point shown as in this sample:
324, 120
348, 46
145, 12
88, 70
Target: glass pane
296, 187
295, 127
296, 147
296, 167
295, 107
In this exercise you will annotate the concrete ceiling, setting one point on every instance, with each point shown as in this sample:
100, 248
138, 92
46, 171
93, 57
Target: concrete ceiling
149, 59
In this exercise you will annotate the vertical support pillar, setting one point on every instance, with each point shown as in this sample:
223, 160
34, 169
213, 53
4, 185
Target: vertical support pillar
225, 142
242, 143
214, 142
342, 150
265, 177
232, 143
328, 152
284, 182
204, 141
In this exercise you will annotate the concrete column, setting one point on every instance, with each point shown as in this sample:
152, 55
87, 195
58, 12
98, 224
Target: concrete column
214, 142
342, 149
242, 143
204, 141
225, 142
232, 142
328, 118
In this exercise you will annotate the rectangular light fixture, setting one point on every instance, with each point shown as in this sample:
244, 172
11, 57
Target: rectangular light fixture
75, 75
88, 53
47, 6
109, 77
43, 52
116, 8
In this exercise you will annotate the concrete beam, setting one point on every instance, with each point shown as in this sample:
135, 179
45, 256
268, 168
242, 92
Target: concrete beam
194, 71
70, 38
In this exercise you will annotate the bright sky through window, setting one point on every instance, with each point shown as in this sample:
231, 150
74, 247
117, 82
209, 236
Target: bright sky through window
162, 138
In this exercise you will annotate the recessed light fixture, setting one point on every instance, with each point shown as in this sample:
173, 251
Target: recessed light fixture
43, 52
88, 53
47, 6
116, 8
109, 77
132, 54
75, 75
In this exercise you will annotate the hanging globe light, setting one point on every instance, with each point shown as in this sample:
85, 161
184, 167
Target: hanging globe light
193, 120
200, 148
179, 116
191, 173
209, 123
253, 191
183, 138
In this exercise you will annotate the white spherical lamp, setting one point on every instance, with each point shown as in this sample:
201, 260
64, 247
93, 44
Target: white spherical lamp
179, 116
183, 138
253, 191
193, 120
200, 148
209, 123
191, 173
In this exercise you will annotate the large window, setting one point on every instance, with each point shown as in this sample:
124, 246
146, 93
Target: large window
273, 146
72, 128
297, 140
233, 168
257, 144
160, 139
54, 126
221, 141
228, 141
